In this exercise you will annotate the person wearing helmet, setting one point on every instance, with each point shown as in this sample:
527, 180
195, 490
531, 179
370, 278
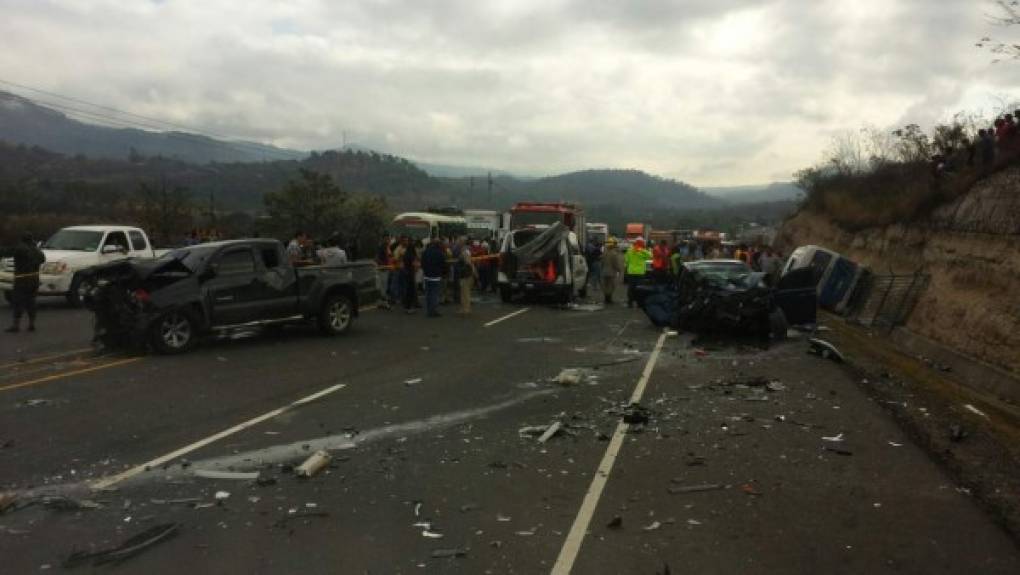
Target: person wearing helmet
636, 258
612, 269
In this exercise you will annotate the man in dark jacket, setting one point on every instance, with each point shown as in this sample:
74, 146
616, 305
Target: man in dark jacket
27, 259
433, 268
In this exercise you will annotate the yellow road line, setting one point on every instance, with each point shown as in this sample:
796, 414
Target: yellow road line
45, 357
70, 373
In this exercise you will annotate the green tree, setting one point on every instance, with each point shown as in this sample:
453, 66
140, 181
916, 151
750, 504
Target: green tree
364, 223
312, 203
165, 212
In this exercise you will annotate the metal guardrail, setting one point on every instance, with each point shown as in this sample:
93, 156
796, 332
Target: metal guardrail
886, 300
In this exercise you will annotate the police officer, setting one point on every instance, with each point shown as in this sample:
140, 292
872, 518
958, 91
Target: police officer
27, 259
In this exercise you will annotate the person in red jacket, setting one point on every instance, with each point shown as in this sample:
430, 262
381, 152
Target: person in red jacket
660, 262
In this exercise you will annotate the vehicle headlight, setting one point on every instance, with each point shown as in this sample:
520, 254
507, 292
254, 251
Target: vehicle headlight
53, 268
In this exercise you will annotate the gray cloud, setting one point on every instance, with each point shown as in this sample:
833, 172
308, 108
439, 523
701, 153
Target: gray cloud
712, 91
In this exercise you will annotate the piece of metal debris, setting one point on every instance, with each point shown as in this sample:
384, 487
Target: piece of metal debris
133, 546
652, 527
568, 377
222, 495
825, 349
975, 410
695, 488
550, 431
833, 439
313, 465
431, 534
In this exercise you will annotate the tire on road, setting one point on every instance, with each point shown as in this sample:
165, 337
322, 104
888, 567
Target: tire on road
336, 314
176, 331
74, 293
778, 325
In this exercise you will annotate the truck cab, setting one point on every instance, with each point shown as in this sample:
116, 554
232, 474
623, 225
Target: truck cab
74, 249
543, 253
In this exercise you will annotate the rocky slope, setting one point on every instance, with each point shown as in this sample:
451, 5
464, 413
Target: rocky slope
971, 248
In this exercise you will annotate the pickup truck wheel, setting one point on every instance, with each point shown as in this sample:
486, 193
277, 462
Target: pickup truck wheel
174, 332
336, 315
75, 293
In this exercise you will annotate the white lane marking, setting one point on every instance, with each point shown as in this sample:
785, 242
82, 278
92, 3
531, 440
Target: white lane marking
506, 317
108, 482
572, 545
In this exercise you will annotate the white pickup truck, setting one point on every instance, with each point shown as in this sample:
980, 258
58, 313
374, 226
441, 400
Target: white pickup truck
76, 248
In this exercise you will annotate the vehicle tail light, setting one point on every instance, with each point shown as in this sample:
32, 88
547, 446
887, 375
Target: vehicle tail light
141, 295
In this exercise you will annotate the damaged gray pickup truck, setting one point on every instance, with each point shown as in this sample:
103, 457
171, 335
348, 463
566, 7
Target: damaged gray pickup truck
170, 302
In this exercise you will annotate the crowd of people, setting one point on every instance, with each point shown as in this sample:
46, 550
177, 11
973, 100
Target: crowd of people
999, 141
449, 269
607, 265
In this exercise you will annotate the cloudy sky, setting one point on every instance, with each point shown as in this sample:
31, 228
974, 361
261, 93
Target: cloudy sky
714, 92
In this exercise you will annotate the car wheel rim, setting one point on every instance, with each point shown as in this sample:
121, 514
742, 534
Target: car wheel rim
175, 331
339, 315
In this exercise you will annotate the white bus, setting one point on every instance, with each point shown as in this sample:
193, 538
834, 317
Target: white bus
425, 225
484, 224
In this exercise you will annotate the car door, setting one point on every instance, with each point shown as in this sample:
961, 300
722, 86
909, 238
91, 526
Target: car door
796, 295
139, 245
115, 247
233, 289
276, 283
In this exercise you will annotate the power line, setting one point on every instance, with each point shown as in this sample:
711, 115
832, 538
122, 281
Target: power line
151, 124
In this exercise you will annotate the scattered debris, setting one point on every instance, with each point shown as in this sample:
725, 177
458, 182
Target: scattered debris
550, 432
313, 465
7, 500
182, 501
570, 376
695, 488
775, 385
834, 439
449, 553
975, 410
693, 522
894, 444
750, 489
233, 475
127, 549
222, 495
616, 523
838, 450
652, 527
700, 352
431, 534
526, 532
635, 414
468, 507
417, 508
502, 518
413, 381
538, 340
825, 349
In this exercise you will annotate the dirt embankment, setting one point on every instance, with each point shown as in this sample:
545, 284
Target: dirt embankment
971, 248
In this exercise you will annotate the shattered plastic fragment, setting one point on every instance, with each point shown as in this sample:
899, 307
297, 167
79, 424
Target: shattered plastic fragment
652, 527
432, 534
221, 495
313, 465
834, 439
550, 432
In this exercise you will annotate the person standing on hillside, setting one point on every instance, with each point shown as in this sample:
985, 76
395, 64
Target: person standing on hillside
612, 269
636, 259
27, 259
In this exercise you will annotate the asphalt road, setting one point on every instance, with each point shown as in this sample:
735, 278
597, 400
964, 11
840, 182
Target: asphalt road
423, 414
